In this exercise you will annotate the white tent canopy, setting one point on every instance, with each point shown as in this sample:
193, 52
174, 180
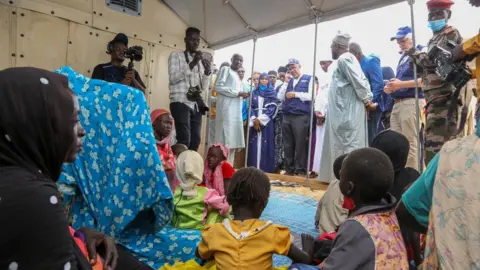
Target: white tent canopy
227, 22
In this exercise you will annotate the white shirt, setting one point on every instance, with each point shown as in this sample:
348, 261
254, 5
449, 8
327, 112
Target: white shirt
181, 78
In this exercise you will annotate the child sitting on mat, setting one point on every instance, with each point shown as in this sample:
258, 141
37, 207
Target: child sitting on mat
195, 207
217, 169
246, 242
330, 211
370, 238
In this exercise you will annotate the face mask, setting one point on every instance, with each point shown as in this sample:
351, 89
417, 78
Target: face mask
437, 25
348, 203
263, 87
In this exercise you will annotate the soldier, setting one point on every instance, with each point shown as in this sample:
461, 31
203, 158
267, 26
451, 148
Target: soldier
437, 92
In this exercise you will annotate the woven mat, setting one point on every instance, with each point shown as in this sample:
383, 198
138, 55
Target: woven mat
294, 211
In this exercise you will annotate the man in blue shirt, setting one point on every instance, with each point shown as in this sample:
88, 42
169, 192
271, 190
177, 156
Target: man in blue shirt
387, 100
402, 89
373, 71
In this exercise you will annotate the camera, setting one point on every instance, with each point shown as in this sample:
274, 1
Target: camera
134, 53
454, 73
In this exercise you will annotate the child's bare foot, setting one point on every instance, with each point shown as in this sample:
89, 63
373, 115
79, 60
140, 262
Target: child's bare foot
308, 244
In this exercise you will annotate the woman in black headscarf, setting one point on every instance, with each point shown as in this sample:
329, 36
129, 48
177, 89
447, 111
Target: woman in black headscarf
396, 147
39, 131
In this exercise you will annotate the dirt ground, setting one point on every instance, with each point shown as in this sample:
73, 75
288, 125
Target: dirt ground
316, 194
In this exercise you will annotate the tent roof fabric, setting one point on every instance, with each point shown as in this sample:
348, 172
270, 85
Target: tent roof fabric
227, 22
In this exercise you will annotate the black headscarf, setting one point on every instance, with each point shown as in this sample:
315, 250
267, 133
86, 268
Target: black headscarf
36, 120
396, 147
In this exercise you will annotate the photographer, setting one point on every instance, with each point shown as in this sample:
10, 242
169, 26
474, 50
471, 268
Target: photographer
115, 71
437, 92
189, 74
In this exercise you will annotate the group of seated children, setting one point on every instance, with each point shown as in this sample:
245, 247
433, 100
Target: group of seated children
358, 208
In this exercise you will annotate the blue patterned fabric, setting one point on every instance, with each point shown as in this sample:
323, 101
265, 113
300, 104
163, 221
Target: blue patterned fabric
119, 177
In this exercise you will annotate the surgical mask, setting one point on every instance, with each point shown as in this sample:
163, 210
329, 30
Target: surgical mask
437, 25
263, 87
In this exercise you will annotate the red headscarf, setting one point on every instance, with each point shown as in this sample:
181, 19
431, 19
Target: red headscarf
164, 149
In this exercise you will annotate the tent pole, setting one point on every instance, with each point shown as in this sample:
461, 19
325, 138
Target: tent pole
249, 105
313, 101
417, 105
207, 128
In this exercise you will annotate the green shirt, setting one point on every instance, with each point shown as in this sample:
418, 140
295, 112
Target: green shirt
418, 198
188, 212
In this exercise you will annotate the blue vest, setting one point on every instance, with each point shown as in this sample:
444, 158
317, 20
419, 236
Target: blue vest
295, 105
405, 73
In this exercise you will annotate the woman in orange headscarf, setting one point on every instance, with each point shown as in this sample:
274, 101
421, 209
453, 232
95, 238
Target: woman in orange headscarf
162, 122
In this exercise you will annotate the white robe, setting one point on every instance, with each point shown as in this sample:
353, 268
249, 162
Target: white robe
321, 105
228, 123
346, 120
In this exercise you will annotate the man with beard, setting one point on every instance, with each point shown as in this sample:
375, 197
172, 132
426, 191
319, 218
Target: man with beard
115, 71
189, 75
229, 124
349, 98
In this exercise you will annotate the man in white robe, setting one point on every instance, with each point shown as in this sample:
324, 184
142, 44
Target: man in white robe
228, 122
349, 98
320, 109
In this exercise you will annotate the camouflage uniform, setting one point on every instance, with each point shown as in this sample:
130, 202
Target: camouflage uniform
437, 94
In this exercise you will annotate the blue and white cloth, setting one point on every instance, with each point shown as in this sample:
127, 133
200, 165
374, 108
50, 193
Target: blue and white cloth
119, 175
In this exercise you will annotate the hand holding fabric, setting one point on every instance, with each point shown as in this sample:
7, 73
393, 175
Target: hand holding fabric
98, 242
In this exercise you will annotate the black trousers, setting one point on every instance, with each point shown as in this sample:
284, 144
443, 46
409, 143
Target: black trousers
188, 125
295, 142
126, 261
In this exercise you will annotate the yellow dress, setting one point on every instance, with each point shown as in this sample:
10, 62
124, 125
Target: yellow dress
240, 245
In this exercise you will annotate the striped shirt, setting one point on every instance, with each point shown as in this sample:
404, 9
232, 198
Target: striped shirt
181, 78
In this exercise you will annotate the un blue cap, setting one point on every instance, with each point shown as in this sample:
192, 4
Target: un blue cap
402, 32
293, 61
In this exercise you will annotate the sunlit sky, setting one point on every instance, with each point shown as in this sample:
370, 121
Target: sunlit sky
371, 29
